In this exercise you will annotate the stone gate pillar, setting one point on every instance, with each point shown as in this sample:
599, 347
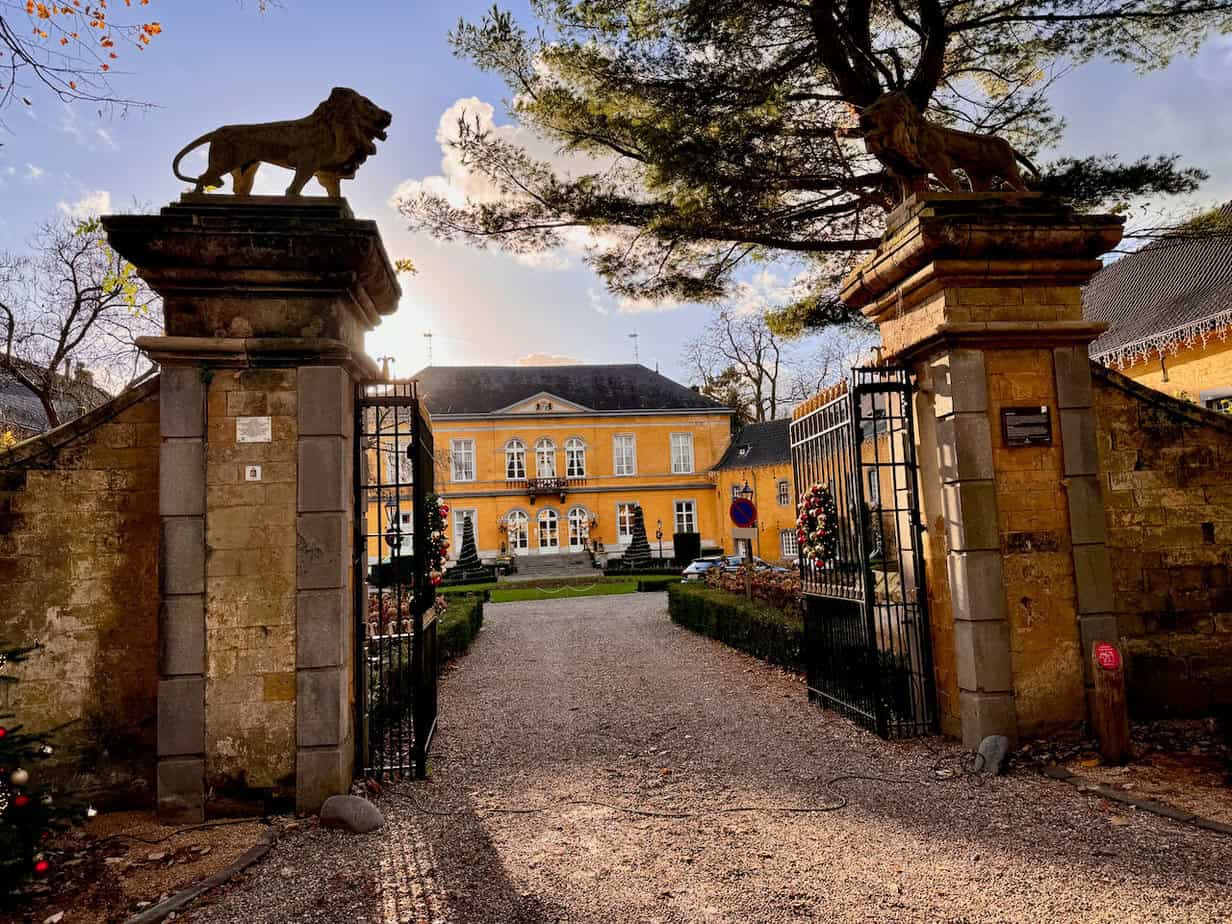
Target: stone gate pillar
266, 302
979, 295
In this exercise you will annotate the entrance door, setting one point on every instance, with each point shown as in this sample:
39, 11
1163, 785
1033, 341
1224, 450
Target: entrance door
549, 532
579, 529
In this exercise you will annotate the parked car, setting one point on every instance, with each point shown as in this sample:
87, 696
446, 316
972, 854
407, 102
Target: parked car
696, 571
734, 563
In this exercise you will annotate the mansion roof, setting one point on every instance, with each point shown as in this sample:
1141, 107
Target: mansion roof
767, 443
21, 409
1169, 295
500, 390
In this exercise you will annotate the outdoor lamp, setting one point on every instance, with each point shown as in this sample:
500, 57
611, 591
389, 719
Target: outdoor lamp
391, 512
746, 491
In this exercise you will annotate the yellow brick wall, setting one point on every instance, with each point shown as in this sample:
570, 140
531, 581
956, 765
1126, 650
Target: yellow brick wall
1037, 553
250, 583
79, 573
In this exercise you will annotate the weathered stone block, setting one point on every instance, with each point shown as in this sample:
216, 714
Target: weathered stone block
319, 774
985, 714
323, 551
1093, 579
970, 515
181, 478
1086, 510
181, 716
320, 707
181, 402
326, 395
1073, 372
1081, 456
182, 555
977, 586
322, 623
181, 791
968, 382
982, 656
964, 448
324, 473
181, 635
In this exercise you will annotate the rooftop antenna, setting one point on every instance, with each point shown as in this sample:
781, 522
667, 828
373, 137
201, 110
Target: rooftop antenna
636, 357
428, 337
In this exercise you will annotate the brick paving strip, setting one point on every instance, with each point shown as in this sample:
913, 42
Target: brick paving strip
576, 733
1154, 806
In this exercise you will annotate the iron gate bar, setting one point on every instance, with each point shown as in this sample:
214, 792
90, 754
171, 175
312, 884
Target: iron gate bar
868, 648
395, 687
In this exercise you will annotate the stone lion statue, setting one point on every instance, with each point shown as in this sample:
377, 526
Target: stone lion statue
911, 147
330, 144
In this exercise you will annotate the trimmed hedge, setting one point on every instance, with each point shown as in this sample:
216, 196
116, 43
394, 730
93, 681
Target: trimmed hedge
658, 582
772, 635
619, 568
459, 626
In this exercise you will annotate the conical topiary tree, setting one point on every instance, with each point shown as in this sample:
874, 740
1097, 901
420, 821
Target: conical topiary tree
468, 556
637, 555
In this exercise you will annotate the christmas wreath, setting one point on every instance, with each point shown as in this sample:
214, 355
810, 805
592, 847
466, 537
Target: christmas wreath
817, 526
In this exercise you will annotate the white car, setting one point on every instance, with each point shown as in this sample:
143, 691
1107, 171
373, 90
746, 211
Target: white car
696, 571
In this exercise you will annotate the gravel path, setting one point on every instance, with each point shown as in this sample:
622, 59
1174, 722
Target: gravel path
566, 703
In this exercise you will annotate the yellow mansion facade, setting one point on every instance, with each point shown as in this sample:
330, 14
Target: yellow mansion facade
547, 460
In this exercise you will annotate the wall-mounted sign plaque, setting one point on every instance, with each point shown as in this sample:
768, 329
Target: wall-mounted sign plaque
253, 430
1027, 426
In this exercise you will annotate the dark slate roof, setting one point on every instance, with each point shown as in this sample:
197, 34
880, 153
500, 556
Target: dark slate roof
1163, 292
22, 410
488, 389
757, 444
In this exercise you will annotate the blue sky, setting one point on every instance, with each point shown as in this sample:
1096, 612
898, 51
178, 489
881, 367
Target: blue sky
222, 62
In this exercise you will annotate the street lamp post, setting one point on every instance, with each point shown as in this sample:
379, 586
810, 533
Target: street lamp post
659, 536
747, 493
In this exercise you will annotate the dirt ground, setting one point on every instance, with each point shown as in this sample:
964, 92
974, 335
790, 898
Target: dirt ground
116, 864
596, 763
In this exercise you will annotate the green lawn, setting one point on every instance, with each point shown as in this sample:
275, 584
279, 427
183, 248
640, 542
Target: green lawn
508, 594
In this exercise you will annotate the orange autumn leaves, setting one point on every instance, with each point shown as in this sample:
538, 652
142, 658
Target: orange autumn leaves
89, 25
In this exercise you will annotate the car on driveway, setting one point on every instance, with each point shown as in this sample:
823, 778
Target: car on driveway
696, 571
735, 563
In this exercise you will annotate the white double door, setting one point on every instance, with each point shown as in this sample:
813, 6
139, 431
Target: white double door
576, 531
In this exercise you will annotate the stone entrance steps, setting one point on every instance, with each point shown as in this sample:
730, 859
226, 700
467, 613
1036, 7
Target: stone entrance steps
563, 565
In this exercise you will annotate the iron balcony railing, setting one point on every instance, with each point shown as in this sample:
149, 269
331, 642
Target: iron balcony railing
535, 487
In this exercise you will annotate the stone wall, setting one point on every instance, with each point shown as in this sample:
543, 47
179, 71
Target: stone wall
1164, 468
79, 572
250, 585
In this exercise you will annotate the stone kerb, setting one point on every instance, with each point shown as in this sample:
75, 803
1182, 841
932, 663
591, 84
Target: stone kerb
979, 295
266, 303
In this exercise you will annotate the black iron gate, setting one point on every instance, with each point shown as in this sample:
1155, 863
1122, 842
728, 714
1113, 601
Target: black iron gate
868, 647
395, 643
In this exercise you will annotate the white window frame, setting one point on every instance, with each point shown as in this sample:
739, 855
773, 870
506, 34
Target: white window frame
541, 533
789, 543
874, 487
585, 521
510, 531
462, 450
617, 455
735, 490
545, 450
682, 466
515, 457
621, 535
458, 515
784, 492
688, 508
575, 451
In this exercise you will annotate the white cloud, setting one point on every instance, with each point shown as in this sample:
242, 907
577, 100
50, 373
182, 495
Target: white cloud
95, 203
92, 139
547, 359
34, 172
626, 305
596, 301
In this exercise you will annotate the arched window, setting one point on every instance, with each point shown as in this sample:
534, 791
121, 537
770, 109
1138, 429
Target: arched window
517, 523
579, 528
549, 529
515, 460
545, 459
575, 458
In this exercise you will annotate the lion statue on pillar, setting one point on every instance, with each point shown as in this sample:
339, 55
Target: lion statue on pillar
911, 147
329, 144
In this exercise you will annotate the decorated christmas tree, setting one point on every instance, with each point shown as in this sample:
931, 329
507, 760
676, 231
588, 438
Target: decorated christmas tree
637, 555
29, 812
468, 558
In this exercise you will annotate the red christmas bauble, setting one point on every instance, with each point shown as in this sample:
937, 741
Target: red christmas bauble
3, 731
41, 867
21, 801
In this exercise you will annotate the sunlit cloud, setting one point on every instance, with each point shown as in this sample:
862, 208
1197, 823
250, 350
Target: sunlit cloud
95, 203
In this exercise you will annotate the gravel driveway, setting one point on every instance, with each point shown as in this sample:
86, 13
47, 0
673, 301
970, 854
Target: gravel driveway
564, 704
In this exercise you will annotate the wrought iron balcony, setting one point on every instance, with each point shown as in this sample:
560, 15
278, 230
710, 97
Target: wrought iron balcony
543, 486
